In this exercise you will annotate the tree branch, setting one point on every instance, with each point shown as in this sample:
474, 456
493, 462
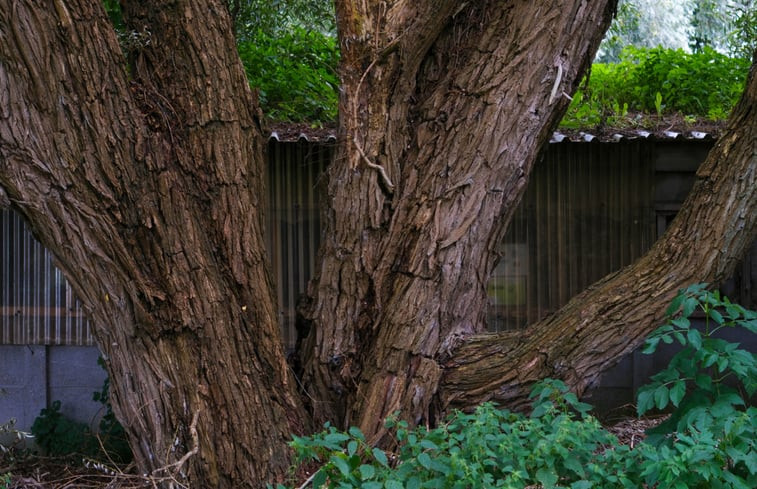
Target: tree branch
613, 317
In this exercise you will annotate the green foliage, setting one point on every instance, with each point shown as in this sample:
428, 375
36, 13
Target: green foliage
5, 480
275, 17
742, 36
57, 435
295, 72
559, 445
661, 81
710, 431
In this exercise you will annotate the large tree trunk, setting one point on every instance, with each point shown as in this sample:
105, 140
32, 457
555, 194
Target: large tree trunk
445, 106
147, 186
441, 123
149, 192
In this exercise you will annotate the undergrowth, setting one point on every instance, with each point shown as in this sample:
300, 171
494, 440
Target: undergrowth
708, 441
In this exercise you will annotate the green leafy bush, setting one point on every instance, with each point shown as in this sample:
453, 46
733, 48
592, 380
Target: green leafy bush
707, 443
558, 442
295, 72
658, 81
710, 430
58, 435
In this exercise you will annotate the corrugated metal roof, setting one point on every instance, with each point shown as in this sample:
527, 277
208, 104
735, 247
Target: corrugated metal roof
629, 135
300, 133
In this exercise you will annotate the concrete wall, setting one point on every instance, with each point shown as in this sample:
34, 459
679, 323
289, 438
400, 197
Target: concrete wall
33, 376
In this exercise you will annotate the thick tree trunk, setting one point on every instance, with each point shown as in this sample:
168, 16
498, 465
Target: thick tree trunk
442, 119
147, 186
149, 192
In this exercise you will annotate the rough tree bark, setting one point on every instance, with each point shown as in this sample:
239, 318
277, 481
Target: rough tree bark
715, 226
441, 121
149, 193
147, 187
445, 106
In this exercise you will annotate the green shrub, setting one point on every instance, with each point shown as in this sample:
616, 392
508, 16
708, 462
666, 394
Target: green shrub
559, 443
709, 439
295, 73
707, 443
657, 81
58, 435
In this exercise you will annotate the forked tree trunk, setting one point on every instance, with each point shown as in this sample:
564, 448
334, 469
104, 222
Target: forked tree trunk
149, 192
147, 186
445, 106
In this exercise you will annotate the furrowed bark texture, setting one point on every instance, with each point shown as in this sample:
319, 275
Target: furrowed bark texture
149, 193
715, 226
444, 108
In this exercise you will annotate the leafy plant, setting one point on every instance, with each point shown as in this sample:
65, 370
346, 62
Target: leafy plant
58, 435
558, 445
5, 480
705, 84
295, 72
710, 432
708, 443
111, 433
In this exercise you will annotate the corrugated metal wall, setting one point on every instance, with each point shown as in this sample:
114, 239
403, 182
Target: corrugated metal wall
296, 176
36, 304
590, 209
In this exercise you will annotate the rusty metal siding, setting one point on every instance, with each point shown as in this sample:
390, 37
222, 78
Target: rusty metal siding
36, 303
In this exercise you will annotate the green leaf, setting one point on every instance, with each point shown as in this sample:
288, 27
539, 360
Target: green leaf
340, 464
413, 483
695, 338
644, 400
392, 484
675, 304
355, 433
682, 322
380, 456
703, 381
424, 460
351, 447
546, 477
319, 479
574, 465
677, 392
367, 472
650, 346
689, 306
661, 397
716, 316
582, 484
